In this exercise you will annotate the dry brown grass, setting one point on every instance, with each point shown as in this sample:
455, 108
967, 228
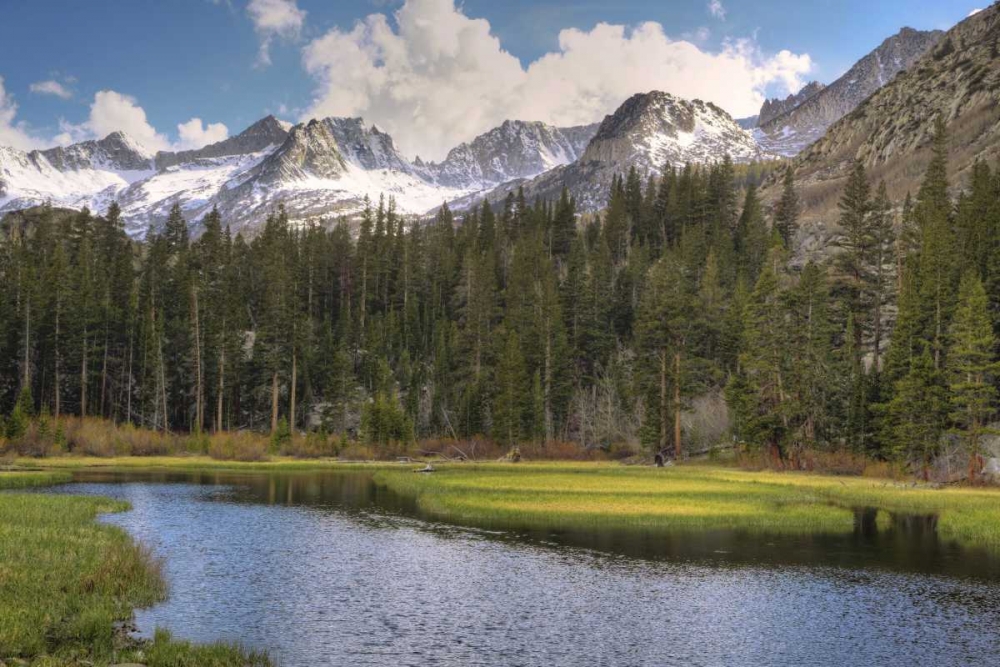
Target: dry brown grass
238, 446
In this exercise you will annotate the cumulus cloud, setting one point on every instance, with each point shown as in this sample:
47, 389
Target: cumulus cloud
274, 19
439, 77
50, 87
14, 133
716, 9
194, 134
112, 111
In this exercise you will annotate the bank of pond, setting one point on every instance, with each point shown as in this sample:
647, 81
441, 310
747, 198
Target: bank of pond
304, 559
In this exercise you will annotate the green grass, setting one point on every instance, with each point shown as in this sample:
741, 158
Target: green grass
685, 498
66, 581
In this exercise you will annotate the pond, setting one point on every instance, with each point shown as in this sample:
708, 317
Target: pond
330, 569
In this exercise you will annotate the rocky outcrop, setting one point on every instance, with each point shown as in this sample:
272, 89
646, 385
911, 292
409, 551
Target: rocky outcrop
647, 132
790, 131
516, 149
890, 132
266, 133
772, 108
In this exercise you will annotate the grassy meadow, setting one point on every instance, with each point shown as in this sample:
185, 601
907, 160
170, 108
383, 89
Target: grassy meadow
68, 584
594, 496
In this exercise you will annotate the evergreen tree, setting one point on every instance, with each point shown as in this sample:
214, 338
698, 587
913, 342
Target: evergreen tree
972, 368
786, 211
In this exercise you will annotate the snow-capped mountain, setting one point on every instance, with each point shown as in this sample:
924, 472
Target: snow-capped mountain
317, 169
648, 132
799, 122
91, 173
514, 150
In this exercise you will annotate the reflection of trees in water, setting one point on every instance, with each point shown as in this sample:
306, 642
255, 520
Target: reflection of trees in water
897, 542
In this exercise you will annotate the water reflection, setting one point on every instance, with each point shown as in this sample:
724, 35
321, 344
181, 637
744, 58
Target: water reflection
903, 542
328, 568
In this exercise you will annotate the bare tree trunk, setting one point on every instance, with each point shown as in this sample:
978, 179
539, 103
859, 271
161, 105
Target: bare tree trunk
104, 373
663, 400
128, 394
291, 407
199, 391
274, 401
548, 388
163, 378
26, 370
83, 376
222, 381
677, 405
58, 360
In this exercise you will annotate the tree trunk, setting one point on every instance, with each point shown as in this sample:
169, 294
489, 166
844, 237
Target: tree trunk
58, 363
199, 391
274, 402
163, 377
26, 370
664, 413
83, 376
292, 393
677, 405
548, 388
104, 374
222, 381
128, 391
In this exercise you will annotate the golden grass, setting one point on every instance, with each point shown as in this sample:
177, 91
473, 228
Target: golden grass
582, 496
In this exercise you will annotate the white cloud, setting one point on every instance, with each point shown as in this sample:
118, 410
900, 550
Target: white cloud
193, 134
716, 9
112, 111
51, 87
974, 12
440, 77
274, 18
12, 133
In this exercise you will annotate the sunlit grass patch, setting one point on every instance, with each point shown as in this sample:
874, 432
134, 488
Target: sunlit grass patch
581, 496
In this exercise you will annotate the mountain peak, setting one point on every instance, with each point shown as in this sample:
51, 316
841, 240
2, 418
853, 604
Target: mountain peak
788, 132
515, 149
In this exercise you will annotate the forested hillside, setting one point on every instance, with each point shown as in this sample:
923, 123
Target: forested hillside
522, 322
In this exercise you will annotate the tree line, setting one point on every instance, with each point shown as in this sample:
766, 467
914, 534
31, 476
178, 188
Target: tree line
526, 321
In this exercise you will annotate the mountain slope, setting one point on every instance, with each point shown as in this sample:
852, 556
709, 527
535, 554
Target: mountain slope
789, 131
647, 132
514, 150
890, 132
90, 173
772, 108
317, 169
269, 132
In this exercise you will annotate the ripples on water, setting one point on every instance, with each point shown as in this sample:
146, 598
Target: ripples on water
328, 570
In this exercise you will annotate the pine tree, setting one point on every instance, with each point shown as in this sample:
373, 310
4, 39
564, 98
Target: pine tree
512, 401
915, 415
972, 368
786, 211
759, 393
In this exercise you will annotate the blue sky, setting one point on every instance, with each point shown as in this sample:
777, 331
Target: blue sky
179, 60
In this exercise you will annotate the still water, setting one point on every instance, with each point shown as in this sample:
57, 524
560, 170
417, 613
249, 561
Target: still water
329, 569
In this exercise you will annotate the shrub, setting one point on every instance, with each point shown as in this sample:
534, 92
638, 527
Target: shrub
238, 446
318, 444
281, 437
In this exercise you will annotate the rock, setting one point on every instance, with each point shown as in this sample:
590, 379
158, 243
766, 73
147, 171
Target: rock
787, 126
992, 467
